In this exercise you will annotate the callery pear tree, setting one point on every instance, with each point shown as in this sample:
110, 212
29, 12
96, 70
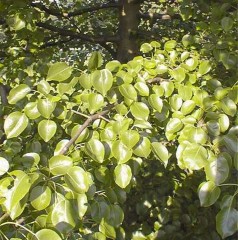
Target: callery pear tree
118, 120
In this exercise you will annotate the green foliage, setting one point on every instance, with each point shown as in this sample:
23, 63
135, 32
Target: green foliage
141, 150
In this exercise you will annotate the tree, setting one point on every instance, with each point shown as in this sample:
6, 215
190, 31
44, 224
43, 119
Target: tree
136, 149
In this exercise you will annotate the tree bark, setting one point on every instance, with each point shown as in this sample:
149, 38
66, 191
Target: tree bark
128, 46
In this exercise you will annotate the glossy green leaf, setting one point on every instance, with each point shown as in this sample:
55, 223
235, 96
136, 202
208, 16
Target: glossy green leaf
195, 156
44, 234
187, 107
59, 72
85, 81
95, 102
161, 152
229, 107
40, 197
95, 61
130, 138
230, 141
218, 170
224, 122
170, 45
226, 222
208, 193
187, 40
62, 216
43, 87
168, 87
191, 64
15, 124
31, 110
47, 129
60, 164
174, 125
18, 93
114, 215
98, 210
142, 88
204, 67
121, 152
146, 47
77, 179
82, 205
142, 148
102, 81
156, 102
107, 229
140, 110
128, 91
95, 149
122, 175
175, 102
4, 166
113, 66
46, 107
178, 74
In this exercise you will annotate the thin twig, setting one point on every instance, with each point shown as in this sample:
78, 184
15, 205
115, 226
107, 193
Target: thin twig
157, 80
85, 125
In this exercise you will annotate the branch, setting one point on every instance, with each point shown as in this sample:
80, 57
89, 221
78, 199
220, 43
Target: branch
85, 125
93, 9
4, 217
47, 10
51, 44
3, 94
84, 37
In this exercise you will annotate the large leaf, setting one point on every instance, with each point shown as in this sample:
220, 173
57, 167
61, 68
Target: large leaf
128, 91
218, 170
95, 149
156, 102
40, 197
121, 152
102, 81
15, 124
62, 216
122, 175
59, 72
107, 229
82, 204
226, 222
208, 193
60, 164
140, 110
130, 138
114, 215
44, 234
195, 157
47, 129
77, 179
18, 93
142, 148
46, 107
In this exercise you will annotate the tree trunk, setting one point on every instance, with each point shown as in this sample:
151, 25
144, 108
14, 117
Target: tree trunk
128, 27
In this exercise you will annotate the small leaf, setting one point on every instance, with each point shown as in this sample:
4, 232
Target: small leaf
178, 74
95, 102
102, 81
47, 129
160, 152
128, 91
18, 93
95, 61
142, 148
122, 175
130, 138
31, 110
60, 164
174, 125
59, 72
227, 23
114, 215
146, 47
107, 229
226, 222
140, 110
82, 204
228, 106
204, 67
208, 193
4, 166
15, 124
170, 45
43, 87
156, 102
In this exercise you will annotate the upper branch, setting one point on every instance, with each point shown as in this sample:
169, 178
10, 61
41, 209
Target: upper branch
65, 32
155, 16
47, 10
93, 9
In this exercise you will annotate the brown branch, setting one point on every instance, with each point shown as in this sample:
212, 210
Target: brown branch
85, 125
84, 37
3, 94
47, 10
156, 80
51, 44
93, 9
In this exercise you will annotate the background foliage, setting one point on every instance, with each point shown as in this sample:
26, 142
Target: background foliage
96, 148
